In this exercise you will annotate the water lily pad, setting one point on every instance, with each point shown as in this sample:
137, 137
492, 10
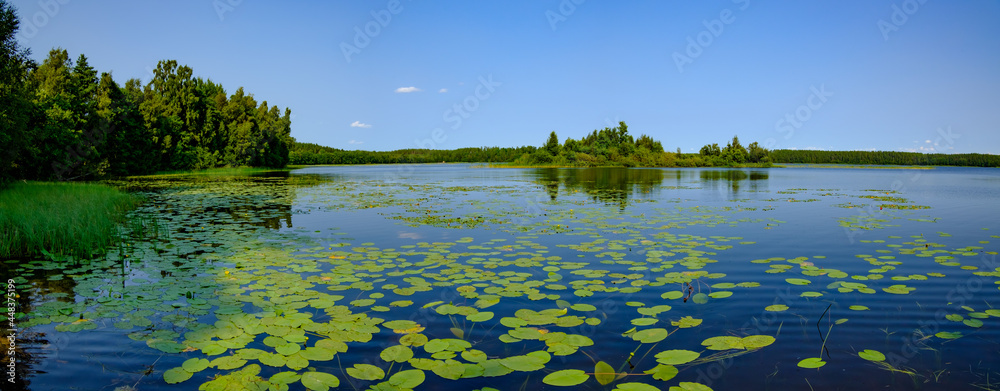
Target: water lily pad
686, 322
690, 386
812, 362
676, 357
650, 335
898, 289
366, 372
396, 353
636, 387
319, 381
797, 281
566, 377
604, 373
176, 375
407, 379
872, 355
948, 334
723, 343
195, 365
757, 341
776, 308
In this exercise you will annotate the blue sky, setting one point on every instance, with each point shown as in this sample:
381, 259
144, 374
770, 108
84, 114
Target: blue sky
872, 74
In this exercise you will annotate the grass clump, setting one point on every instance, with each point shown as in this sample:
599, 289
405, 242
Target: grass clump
61, 218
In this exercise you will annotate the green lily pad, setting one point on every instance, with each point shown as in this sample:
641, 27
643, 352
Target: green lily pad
776, 308
686, 322
636, 387
948, 334
566, 377
396, 353
723, 343
676, 357
757, 341
650, 335
872, 355
407, 379
604, 373
689, 386
195, 365
176, 375
812, 362
366, 372
797, 281
319, 381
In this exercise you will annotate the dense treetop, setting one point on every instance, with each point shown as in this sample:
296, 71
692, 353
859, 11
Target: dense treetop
64, 120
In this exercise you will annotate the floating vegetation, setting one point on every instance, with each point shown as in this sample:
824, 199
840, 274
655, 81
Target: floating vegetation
600, 285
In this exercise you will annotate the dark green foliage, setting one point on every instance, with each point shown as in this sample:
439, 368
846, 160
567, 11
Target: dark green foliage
884, 157
308, 153
15, 98
63, 120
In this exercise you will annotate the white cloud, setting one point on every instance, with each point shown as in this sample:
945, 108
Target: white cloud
404, 90
355, 142
443, 90
359, 124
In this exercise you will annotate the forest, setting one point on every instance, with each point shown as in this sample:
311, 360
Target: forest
884, 157
308, 153
615, 147
64, 120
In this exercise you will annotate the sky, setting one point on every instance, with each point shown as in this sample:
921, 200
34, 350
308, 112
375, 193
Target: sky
913, 75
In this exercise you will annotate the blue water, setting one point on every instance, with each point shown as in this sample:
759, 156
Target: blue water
776, 213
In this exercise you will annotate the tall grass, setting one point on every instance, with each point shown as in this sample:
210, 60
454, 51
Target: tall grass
61, 218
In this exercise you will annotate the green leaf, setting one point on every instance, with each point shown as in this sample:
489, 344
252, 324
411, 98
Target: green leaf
723, 343
663, 372
720, 294
676, 357
948, 334
604, 373
858, 308
566, 377
689, 386
776, 308
366, 372
480, 317
288, 349
407, 379
757, 341
287, 377
228, 362
650, 335
636, 387
195, 365
898, 289
176, 375
797, 281
396, 353
872, 355
686, 322
523, 363
812, 362
319, 381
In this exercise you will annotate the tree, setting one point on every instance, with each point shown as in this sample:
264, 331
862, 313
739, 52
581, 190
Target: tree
552, 145
16, 109
734, 152
710, 150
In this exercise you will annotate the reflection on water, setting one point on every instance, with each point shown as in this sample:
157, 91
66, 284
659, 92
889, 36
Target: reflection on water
732, 180
610, 185
617, 185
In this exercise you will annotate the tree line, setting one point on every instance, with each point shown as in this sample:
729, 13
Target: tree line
616, 147
308, 153
884, 157
63, 120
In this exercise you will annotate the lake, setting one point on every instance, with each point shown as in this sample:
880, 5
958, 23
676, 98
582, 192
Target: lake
451, 276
